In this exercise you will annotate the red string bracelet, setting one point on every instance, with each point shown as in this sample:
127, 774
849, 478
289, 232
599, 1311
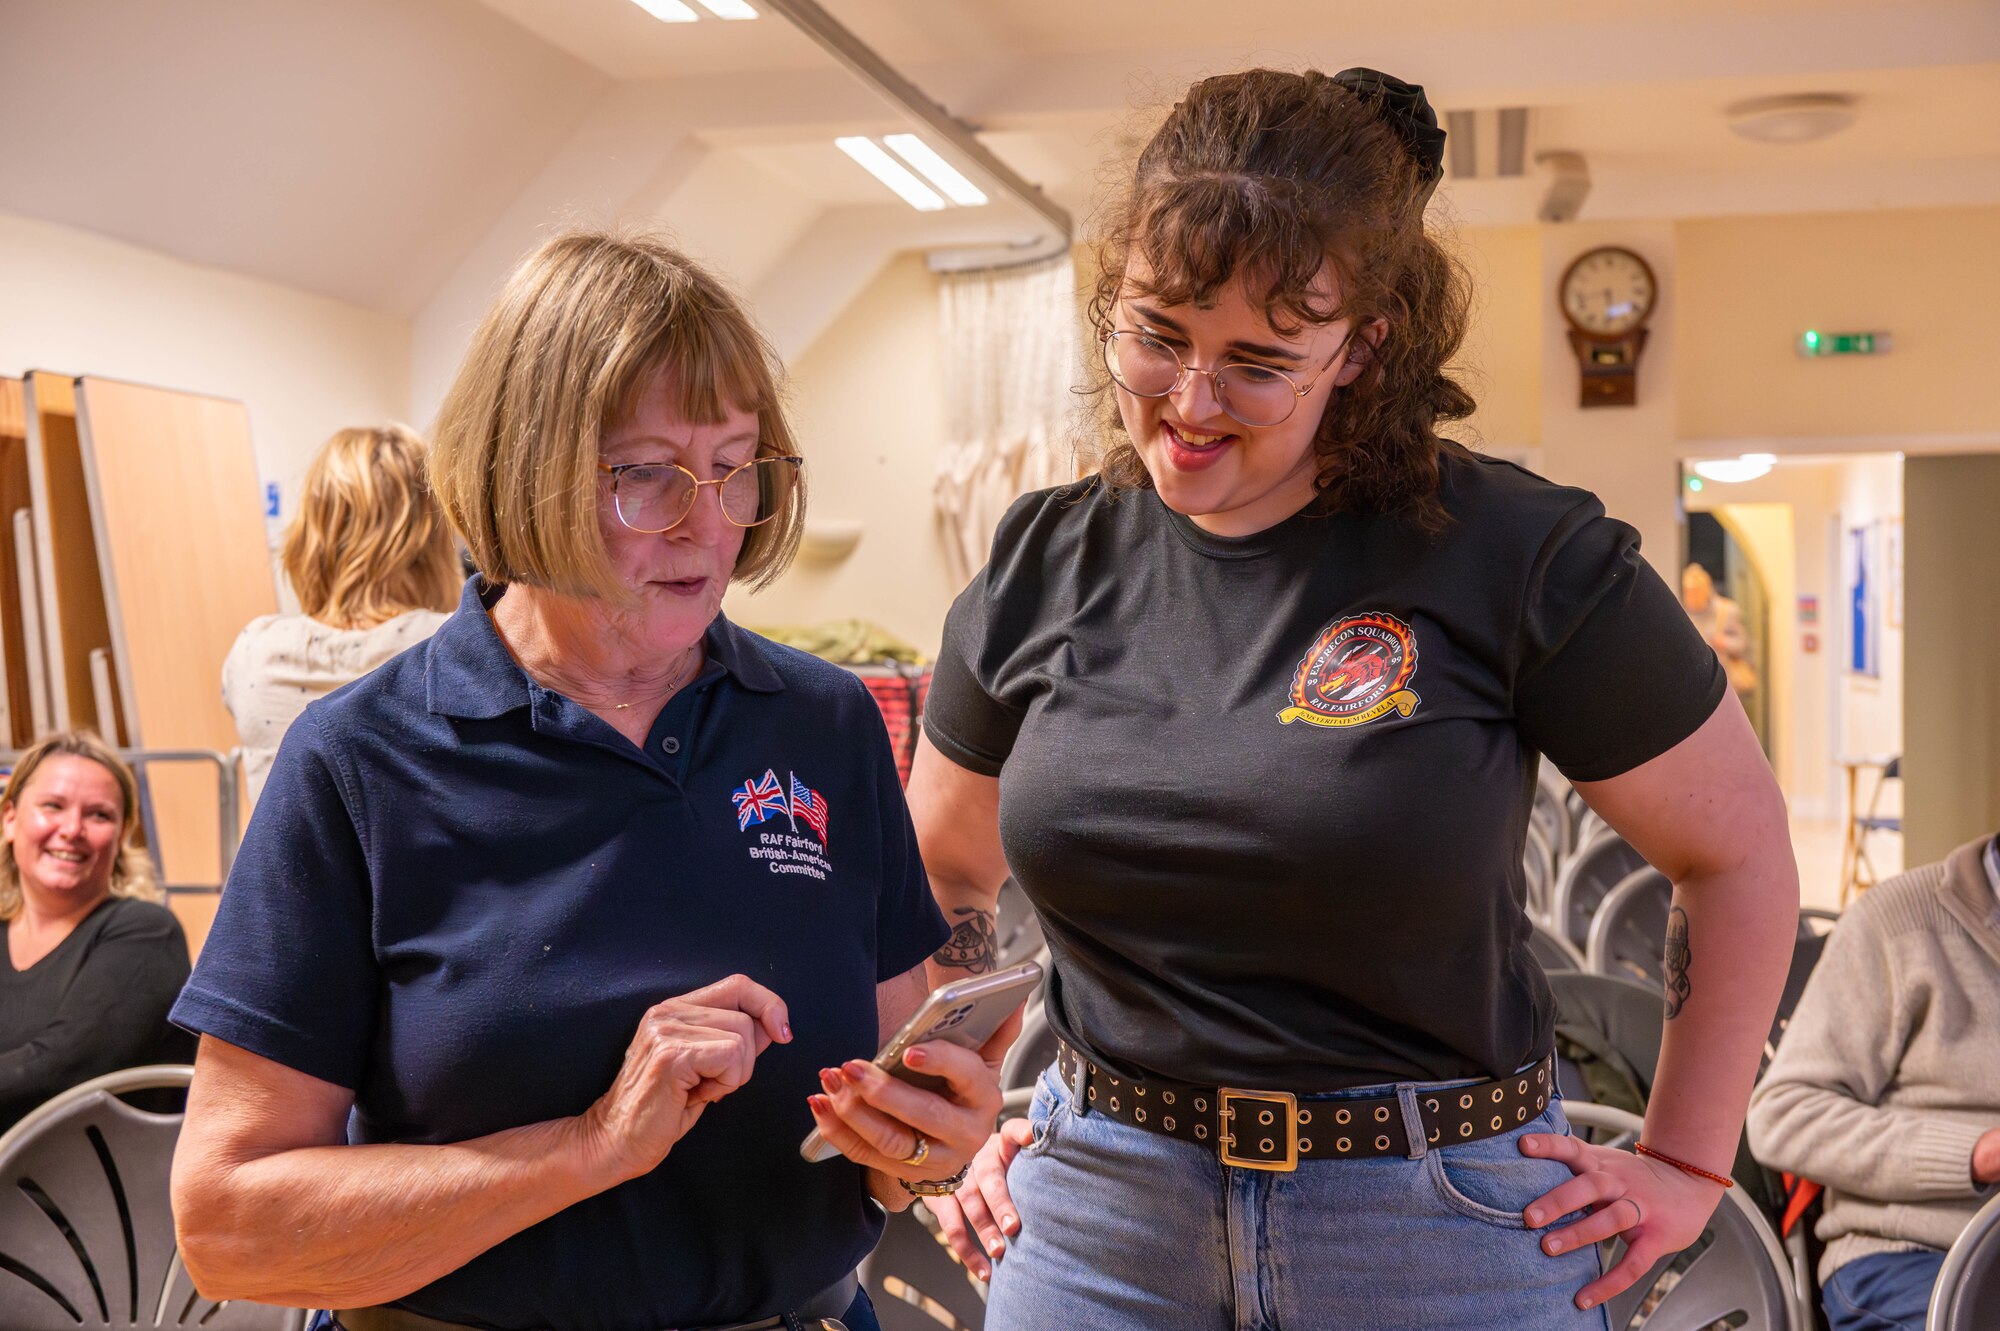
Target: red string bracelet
1683, 1165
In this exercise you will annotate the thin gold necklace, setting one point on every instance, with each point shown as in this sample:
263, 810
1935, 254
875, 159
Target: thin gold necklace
687, 660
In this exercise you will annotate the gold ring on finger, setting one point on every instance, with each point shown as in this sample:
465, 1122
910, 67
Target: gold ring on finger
919, 1154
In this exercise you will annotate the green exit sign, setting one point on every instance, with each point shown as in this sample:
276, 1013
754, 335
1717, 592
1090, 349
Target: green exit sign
1812, 342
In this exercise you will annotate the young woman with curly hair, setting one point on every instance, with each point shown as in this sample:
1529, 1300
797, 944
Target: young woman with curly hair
1254, 717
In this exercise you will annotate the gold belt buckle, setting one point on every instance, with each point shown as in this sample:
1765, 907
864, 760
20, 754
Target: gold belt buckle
1257, 1119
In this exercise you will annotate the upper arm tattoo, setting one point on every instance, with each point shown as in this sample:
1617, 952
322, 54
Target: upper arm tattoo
1678, 958
973, 945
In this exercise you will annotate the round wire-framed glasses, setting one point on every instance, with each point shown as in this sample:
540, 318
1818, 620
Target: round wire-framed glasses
1255, 395
654, 497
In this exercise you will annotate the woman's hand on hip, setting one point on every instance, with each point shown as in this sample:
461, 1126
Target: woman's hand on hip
688, 1053
979, 1218
1656, 1208
878, 1121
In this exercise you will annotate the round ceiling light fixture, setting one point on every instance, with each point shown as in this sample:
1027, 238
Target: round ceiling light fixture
1734, 471
1792, 117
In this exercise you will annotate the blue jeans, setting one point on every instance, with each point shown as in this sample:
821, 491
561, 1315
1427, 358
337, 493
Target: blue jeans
1890, 1291
860, 1316
1128, 1230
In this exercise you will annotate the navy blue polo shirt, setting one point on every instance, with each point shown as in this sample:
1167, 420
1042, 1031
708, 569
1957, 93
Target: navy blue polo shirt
461, 891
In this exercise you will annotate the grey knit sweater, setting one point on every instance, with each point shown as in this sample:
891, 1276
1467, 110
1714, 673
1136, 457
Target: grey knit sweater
1890, 1069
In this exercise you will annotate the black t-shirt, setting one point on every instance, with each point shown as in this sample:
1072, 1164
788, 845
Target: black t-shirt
95, 1004
1270, 793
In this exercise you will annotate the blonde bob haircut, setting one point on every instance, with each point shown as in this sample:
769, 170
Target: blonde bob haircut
586, 324
132, 871
369, 542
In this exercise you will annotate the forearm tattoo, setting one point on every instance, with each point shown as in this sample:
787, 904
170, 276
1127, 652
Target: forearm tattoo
973, 945
1678, 958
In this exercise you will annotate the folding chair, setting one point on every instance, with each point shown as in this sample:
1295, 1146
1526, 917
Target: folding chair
1605, 861
1628, 934
86, 1227
1734, 1275
1967, 1294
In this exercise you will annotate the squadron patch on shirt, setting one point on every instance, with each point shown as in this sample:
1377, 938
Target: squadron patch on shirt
1356, 670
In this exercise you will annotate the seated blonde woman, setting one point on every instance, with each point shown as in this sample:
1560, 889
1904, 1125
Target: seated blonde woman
371, 558
91, 962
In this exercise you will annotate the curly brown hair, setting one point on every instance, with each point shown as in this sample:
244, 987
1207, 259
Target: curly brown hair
1269, 177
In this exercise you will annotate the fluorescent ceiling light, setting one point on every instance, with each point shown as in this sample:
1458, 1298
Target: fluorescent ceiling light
891, 173
1729, 471
730, 9
936, 170
668, 11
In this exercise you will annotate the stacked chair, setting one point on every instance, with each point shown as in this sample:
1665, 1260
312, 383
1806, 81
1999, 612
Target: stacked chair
86, 1229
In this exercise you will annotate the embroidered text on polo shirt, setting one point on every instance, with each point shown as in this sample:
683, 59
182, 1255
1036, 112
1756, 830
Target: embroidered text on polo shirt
762, 799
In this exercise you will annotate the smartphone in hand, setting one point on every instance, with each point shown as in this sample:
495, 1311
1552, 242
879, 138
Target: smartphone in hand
964, 1012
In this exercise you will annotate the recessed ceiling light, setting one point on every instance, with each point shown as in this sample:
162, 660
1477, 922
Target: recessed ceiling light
668, 11
935, 169
891, 173
1730, 471
1792, 118
729, 9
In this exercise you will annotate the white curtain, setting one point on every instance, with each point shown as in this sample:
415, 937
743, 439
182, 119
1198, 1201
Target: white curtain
1010, 350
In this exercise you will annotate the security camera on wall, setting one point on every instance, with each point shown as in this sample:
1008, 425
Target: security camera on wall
1569, 185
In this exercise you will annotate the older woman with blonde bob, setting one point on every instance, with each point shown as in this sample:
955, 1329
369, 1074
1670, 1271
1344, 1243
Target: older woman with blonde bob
370, 557
92, 959
595, 903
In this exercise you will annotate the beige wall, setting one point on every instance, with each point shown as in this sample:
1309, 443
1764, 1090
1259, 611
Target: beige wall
304, 365
1750, 285
1952, 758
870, 411
1501, 361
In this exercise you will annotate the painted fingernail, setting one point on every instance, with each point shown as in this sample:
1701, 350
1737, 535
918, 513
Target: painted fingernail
819, 1103
785, 1032
854, 1067
916, 1058
828, 1080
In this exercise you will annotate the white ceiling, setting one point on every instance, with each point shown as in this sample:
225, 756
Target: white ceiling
399, 153
355, 149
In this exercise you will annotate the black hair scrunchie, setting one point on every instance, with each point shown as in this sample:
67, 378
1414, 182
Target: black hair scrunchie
1408, 112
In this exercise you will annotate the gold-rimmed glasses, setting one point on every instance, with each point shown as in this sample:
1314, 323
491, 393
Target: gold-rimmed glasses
1255, 395
654, 497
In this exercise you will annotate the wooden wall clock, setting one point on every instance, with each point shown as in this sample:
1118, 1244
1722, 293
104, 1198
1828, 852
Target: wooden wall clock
1607, 294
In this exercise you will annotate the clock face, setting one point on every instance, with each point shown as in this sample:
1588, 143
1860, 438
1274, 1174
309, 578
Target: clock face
1607, 292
